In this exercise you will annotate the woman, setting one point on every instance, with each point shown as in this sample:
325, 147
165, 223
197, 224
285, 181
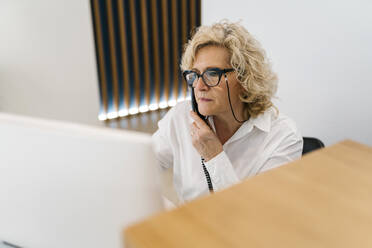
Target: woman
242, 134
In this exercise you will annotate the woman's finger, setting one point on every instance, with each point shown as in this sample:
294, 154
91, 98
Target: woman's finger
199, 122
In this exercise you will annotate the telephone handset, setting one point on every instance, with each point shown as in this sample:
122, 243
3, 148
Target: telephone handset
194, 105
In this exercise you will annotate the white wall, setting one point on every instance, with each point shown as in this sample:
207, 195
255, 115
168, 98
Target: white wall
47, 60
322, 52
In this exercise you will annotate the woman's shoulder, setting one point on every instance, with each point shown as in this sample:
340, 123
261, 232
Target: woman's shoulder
284, 124
177, 114
182, 107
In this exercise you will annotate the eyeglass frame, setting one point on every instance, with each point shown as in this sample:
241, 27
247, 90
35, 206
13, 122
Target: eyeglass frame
220, 72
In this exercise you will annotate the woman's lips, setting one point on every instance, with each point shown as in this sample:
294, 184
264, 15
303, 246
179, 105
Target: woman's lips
205, 99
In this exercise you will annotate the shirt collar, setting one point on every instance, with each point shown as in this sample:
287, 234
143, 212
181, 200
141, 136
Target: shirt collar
263, 121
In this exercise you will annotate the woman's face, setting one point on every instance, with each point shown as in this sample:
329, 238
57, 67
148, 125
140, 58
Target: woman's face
214, 100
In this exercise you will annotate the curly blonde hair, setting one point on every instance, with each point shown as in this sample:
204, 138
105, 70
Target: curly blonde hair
248, 59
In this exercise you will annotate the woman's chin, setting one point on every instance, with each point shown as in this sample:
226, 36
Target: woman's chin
206, 108
205, 111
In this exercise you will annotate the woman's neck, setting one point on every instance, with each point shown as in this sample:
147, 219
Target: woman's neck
226, 126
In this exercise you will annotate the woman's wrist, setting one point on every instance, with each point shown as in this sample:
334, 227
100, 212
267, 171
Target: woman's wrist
213, 155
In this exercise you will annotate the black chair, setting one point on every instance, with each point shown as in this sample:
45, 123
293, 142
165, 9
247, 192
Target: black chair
311, 144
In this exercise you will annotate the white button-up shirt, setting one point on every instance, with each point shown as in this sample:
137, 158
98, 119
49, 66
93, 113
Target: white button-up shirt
260, 144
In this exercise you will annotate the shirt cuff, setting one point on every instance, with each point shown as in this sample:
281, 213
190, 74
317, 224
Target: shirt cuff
221, 171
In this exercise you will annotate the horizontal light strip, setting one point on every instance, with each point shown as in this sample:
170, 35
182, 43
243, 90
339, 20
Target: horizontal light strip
141, 109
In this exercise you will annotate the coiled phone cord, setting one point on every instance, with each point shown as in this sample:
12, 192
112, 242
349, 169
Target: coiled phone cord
207, 176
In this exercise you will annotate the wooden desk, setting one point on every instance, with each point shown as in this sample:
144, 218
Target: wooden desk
322, 200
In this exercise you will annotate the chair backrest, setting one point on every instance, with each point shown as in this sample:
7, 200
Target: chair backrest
311, 144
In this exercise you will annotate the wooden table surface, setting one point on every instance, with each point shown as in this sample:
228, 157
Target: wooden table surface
321, 200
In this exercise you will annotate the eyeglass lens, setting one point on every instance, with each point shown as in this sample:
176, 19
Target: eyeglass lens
210, 78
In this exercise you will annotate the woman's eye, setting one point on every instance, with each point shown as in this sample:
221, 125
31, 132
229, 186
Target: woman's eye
213, 74
191, 76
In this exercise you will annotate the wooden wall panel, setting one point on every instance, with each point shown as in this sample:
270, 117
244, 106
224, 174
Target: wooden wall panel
139, 44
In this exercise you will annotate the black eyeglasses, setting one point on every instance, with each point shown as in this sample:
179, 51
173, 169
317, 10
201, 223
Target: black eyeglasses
211, 77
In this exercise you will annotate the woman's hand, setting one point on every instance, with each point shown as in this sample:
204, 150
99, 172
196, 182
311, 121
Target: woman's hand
204, 139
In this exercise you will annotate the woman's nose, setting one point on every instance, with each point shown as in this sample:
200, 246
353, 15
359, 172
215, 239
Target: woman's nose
200, 85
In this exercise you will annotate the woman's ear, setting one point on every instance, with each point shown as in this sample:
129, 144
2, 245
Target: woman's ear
243, 93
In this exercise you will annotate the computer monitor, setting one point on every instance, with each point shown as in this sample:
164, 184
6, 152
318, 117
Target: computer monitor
65, 185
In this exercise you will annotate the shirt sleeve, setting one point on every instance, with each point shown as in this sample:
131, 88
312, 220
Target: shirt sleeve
287, 151
161, 144
221, 172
